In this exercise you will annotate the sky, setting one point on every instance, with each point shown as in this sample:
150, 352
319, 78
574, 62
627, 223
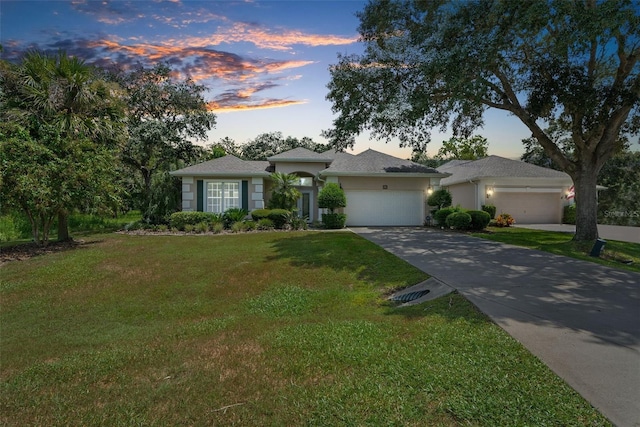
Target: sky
265, 64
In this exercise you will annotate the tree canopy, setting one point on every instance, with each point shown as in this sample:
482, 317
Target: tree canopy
441, 64
269, 144
164, 116
66, 122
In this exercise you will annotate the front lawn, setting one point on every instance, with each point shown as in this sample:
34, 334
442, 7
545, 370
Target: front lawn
562, 244
255, 329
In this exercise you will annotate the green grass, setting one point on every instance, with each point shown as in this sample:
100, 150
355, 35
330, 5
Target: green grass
562, 244
255, 329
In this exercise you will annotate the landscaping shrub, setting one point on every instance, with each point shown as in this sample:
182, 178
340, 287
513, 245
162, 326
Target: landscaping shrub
491, 210
479, 219
334, 221
250, 225
217, 228
188, 228
201, 227
298, 223
265, 224
180, 219
442, 214
440, 198
332, 197
238, 227
459, 220
259, 214
233, 215
279, 217
504, 220
569, 214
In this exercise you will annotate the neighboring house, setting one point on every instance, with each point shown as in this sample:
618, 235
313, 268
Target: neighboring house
380, 189
530, 193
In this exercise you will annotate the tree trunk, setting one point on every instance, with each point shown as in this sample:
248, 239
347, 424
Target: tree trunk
63, 226
586, 205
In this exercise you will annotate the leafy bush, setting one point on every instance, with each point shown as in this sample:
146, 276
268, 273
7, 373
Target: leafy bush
250, 225
442, 214
334, 221
332, 197
180, 219
279, 217
233, 215
459, 220
490, 209
569, 214
188, 228
440, 198
479, 219
9, 229
217, 228
504, 220
259, 214
265, 224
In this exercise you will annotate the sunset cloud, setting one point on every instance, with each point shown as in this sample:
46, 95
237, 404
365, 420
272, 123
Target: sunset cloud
207, 54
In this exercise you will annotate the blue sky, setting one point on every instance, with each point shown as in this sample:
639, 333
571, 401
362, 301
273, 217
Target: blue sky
265, 63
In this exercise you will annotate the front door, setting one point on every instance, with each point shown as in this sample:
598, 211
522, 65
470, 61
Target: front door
304, 206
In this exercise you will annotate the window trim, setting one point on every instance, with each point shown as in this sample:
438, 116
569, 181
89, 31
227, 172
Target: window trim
205, 193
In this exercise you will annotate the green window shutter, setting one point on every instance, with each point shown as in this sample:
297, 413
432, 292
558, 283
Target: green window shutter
245, 195
200, 196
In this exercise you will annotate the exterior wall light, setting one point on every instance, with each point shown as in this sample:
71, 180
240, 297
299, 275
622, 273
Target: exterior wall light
489, 192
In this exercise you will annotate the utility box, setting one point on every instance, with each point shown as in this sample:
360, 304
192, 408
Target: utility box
598, 247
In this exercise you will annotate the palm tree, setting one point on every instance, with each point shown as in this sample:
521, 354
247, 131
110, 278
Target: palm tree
62, 94
285, 195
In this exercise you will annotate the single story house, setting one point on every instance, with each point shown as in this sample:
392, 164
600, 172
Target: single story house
380, 189
530, 194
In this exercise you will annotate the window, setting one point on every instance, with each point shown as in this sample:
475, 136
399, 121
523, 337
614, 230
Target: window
305, 181
221, 196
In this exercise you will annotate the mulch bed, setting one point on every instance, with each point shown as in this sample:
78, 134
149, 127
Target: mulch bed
25, 251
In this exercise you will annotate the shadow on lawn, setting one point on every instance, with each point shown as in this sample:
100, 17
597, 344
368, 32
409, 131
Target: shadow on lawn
525, 285
344, 251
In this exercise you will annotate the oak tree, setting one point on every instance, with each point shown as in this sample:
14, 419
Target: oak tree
440, 64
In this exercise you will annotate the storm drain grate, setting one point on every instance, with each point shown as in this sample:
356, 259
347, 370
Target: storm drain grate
410, 296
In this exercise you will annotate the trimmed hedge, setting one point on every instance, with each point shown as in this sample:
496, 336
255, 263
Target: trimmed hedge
280, 217
334, 221
479, 219
259, 214
491, 210
569, 214
179, 220
442, 214
459, 220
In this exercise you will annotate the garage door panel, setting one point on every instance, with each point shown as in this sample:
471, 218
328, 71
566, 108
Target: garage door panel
529, 208
380, 208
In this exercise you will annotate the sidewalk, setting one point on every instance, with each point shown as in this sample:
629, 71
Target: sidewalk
580, 318
612, 232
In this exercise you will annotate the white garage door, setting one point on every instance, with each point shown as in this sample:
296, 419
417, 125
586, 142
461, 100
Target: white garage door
529, 208
384, 208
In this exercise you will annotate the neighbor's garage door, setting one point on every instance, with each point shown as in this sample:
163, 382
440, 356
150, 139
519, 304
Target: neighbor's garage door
384, 208
529, 208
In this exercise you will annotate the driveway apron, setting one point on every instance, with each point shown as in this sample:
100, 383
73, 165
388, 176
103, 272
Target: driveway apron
580, 318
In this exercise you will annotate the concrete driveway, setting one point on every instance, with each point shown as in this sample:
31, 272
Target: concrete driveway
580, 318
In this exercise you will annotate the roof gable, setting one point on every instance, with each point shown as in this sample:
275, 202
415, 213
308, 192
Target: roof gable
301, 154
226, 166
496, 167
374, 162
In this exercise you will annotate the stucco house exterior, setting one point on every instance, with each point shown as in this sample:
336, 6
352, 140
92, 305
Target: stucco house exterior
380, 189
530, 193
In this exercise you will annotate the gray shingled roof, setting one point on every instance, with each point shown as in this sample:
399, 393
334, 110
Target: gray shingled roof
374, 162
301, 154
228, 166
495, 167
